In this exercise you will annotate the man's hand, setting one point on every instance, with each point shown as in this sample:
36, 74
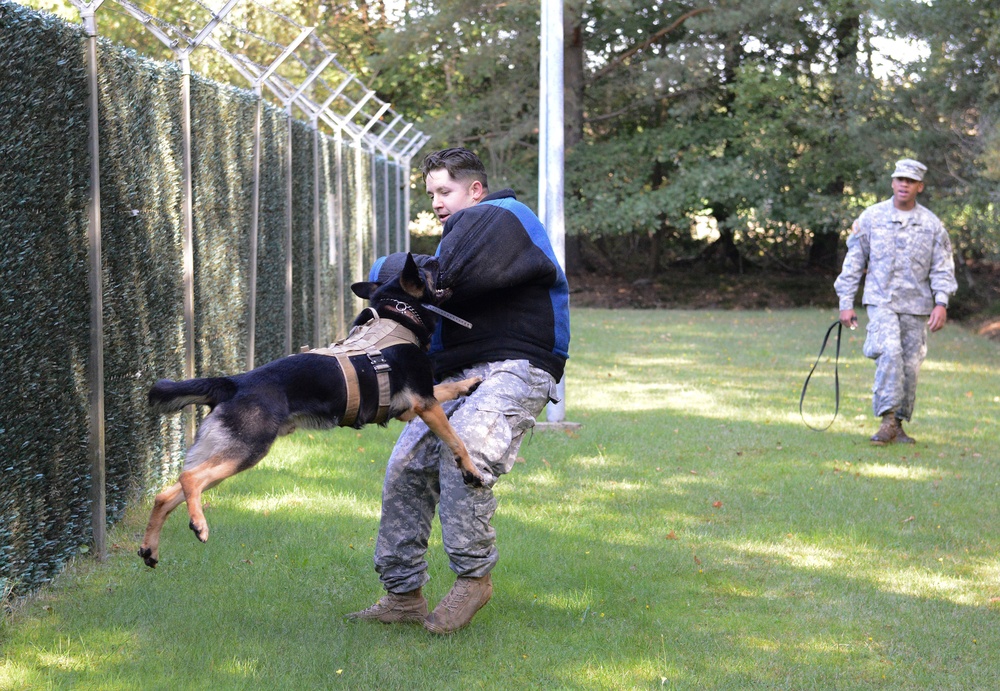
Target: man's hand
849, 319
939, 315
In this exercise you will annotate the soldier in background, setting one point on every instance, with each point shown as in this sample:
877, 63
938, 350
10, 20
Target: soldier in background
910, 277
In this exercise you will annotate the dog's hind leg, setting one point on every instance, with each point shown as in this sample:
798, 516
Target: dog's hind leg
200, 478
165, 502
221, 449
436, 420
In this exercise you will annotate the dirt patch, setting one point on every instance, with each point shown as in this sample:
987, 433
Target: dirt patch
693, 289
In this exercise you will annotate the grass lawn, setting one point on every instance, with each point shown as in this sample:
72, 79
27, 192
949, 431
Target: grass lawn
693, 534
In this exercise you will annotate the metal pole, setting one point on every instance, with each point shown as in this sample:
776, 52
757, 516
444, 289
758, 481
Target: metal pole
407, 163
188, 238
392, 144
407, 155
359, 230
373, 165
317, 263
400, 221
550, 152
342, 320
95, 367
289, 189
385, 204
254, 232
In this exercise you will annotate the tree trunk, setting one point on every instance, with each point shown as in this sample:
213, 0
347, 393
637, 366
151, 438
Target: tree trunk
655, 251
573, 74
583, 255
824, 251
724, 251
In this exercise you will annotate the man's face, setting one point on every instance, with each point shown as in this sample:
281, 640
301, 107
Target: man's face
448, 195
905, 191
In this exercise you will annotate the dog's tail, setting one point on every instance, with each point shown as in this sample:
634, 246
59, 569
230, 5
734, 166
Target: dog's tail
168, 396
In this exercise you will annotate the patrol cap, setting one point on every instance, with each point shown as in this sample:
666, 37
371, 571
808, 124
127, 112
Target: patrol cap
909, 168
386, 268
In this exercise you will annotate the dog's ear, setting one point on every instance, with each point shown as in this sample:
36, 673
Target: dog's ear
430, 270
364, 289
411, 278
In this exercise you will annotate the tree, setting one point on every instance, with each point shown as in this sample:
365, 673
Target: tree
953, 95
470, 70
756, 127
770, 117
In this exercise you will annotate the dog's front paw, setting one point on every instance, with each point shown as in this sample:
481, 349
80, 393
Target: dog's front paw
147, 556
472, 384
471, 475
200, 532
471, 479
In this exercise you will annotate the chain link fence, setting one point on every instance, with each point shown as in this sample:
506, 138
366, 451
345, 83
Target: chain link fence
213, 230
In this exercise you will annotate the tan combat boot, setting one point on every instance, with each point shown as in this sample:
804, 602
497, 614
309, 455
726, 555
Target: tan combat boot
887, 431
395, 608
901, 436
456, 610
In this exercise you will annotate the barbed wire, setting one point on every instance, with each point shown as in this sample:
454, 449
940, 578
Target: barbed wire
374, 119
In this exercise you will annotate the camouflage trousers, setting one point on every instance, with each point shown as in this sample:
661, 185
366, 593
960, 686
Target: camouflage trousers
898, 344
421, 475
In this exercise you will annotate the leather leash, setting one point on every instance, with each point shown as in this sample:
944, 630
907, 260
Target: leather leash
836, 377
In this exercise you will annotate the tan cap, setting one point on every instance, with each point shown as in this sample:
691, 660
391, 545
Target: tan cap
909, 168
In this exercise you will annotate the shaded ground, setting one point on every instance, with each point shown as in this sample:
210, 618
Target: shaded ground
694, 289
977, 305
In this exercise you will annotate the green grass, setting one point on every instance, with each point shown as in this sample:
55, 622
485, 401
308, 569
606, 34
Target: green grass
692, 534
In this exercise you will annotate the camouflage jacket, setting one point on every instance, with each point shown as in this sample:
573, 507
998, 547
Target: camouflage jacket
908, 258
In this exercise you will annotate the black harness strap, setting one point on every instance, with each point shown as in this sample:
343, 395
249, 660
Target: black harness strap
836, 377
368, 339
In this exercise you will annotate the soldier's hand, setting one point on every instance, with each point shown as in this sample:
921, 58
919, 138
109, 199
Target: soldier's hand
849, 319
939, 315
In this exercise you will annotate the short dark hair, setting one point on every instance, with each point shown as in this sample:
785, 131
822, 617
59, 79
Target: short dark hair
460, 163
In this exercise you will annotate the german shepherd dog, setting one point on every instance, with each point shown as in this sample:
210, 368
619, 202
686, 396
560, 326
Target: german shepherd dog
309, 390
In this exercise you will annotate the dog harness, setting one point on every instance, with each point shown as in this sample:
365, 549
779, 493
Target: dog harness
370, 339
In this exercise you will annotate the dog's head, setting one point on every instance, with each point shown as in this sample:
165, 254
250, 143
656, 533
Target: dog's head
419, 283
414, 286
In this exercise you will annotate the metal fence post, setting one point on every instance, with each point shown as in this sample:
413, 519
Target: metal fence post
551, 151
95, 361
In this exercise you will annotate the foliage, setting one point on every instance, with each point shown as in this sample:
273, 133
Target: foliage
773, 116
44, 309
779, 118
469, 69
694, 534
954, 97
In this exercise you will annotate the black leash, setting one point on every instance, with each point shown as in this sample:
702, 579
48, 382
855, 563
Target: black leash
836, 377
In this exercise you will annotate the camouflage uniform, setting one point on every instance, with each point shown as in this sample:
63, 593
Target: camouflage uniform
422, 474
910, 268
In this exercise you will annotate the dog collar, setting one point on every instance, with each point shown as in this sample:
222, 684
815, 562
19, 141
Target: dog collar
407, 309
